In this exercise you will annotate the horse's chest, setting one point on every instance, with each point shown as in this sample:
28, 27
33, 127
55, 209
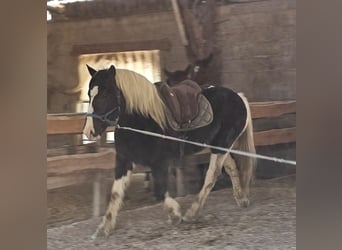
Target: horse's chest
143, 149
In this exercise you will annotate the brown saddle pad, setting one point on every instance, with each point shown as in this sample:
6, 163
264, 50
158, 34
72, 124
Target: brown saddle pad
187, 107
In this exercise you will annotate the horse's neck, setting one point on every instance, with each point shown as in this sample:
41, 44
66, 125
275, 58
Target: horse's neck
138, 121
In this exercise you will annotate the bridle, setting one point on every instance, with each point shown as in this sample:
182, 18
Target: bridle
195, 71
105, 117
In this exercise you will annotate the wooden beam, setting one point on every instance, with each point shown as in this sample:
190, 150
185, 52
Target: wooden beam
74, 149
67, 164
275, 136
81, 49
77, 178
179, 22
71, 123
65, 123
64, 181
272, 109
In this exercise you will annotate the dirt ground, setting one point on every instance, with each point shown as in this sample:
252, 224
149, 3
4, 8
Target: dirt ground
74, 203
268, 223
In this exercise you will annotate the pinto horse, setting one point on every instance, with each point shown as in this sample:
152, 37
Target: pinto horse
123, 98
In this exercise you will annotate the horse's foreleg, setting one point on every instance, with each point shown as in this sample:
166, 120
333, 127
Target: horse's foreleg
214, 170
231, 169
123, 172
161, 178
173, 209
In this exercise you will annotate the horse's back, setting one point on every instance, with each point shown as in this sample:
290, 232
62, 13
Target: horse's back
224, 99
230, 115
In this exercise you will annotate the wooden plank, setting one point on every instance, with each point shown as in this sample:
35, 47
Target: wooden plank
275, 136
74, 149
77, 178
63, 181
65, 123
72, 123
67, 164
160, 44
272, 109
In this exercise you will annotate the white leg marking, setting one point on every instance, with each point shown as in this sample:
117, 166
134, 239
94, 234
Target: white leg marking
231, 169
118, 192
173, 209
89, 126
214, 170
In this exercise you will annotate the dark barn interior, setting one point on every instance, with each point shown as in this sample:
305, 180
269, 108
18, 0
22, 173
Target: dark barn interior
252, 44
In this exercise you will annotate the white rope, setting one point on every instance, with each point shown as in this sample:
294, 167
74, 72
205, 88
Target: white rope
238, 152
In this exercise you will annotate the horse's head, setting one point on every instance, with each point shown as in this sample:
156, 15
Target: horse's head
198, 72
104, 102
174, 77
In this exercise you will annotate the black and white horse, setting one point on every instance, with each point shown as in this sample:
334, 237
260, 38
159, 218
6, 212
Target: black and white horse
127, 99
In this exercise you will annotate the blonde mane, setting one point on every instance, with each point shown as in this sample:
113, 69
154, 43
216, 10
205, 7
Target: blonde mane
141, 96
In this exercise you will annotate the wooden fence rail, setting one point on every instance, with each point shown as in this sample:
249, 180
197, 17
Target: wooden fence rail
73, 123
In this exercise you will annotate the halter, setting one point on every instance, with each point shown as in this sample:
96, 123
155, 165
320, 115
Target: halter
105, 118
195, 71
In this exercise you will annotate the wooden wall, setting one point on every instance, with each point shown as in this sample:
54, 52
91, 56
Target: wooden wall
256, 40
258, 46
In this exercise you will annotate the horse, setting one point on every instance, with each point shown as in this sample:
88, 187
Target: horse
124, 98
198, 72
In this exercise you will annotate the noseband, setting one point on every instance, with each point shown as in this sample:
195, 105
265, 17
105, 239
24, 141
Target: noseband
105, 116
195, 71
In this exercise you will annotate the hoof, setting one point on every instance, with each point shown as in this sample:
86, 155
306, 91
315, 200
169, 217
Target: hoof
97, 234
103, 229
243, 202
192, 213
174, 220
190, 217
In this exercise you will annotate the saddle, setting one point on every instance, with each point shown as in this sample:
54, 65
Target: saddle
186, 107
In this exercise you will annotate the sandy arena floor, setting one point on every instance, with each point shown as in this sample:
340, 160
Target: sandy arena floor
268, 223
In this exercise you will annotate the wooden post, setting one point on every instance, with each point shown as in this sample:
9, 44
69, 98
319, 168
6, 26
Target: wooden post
97, 196
100, 192
180, 184
198, 20
179, 22
199, 23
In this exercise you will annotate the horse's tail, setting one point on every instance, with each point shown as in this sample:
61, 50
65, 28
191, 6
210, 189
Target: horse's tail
245, 142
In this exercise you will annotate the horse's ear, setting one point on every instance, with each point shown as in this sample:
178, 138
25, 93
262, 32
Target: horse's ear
91, 70
112, 69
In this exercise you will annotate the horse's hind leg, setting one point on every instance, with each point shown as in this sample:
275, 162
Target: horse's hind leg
214, 170
231, 169
123, 172
246, 177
